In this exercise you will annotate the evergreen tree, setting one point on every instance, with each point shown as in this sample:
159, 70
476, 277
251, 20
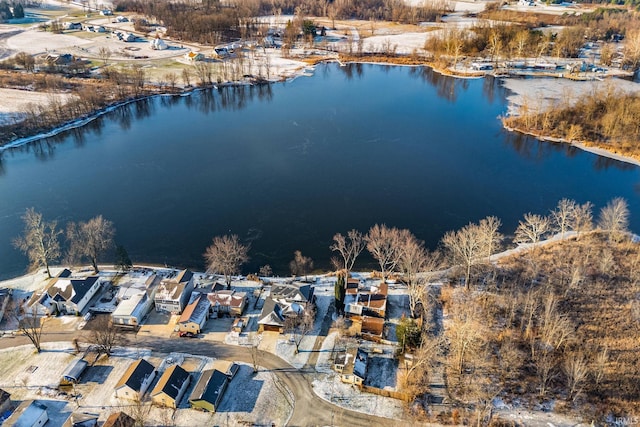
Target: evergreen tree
18, 11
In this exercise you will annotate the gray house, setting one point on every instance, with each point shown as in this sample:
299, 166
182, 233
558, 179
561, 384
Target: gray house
174, 292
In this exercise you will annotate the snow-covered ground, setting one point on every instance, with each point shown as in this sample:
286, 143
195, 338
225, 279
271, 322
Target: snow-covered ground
330, 388
250, 398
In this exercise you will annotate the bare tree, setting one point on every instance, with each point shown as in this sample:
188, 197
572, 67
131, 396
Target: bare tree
614, 218
266, 271
349, 248
225, 256
385, 244
300, 324
581, 220
105, 334
465, 247
39, 240
253, 341
90, 239
600, 364
562, 214
300, 265
104, 53
489, 229
532, 229
29, 323
576, 372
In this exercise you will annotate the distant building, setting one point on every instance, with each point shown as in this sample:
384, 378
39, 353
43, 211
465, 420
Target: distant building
193, 56
173, 293
71, 25
106, 12
158, 44
135, 381
170, 387
30, 413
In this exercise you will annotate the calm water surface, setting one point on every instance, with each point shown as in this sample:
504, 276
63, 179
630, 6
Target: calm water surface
287, 166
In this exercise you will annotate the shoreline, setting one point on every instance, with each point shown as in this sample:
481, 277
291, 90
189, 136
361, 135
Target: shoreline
301, 72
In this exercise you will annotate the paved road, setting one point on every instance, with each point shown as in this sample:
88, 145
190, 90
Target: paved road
309, 409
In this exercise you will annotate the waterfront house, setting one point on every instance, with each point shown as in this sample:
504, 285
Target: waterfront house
30, 413
368, 302
301, 294
193, 56
208, 392
370, 328
64, 294
227, 302
272, 317
195, 314
135, 381
119, 419
171, 387
174, 292
135, 299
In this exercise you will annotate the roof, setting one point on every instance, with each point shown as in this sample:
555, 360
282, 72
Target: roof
195, 311
227, 298
171, 381
26, 414
136, 374
128, 307
119, 419
372, 325
75, 369
62, 288
360, 363
354, 361
172, 288
210, 386
271, 314
300, 293
4, 396
82, 419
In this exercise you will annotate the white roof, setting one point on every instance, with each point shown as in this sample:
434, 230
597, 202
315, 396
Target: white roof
127, 307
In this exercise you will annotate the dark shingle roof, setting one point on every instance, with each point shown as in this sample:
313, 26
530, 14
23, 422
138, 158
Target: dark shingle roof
136, 374
210, 387
171, 381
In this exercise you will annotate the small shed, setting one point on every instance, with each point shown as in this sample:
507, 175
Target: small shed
73, 372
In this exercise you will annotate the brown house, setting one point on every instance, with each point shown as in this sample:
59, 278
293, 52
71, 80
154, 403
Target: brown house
119, 419
227, 302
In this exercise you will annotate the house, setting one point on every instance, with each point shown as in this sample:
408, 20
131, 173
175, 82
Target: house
119, 419
5, 297
368, 302
272, 317
71, 25
73, 372
301, 293
171, 387
239, 324
30, 413
195, 314
352, 286
81, 419
122, 19
5, 401
174, 292
158, 44
352, 365
106, 12
64, 294
227, 302
135, 381
59, 59
193, 56
371, 328
135, 297
208, 392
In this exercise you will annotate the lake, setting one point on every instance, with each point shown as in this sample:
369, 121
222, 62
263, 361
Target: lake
287, 166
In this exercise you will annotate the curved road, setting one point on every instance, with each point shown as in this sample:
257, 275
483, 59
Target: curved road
309, 409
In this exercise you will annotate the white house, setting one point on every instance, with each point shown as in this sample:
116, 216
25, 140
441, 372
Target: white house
174, 292
64, 294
